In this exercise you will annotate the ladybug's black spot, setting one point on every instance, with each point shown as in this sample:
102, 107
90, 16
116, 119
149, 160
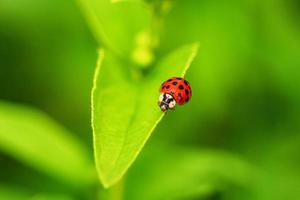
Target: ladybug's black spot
180, 87
178, 78
187, 99
169, 80
186, 92
186, 83
168, 86
174, 83
180, 97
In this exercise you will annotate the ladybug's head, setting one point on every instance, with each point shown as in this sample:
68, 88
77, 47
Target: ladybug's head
166, 101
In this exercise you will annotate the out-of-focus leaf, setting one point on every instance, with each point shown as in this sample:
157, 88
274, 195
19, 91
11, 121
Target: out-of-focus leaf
12, 193
178, 173
125, 111
132, 1
280, 162
281, 45
116, 25
32, 137
50, 197
17, 193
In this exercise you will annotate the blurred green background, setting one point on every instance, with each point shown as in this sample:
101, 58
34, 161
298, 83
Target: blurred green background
246, 96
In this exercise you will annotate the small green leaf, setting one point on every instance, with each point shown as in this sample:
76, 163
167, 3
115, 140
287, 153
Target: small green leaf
125, 112
116, 25
33, 138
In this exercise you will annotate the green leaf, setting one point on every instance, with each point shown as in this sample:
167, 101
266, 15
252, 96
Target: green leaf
17, 193
13, 193
46, 196
32, 137
116, 25
132, 1
125, 112
178, 173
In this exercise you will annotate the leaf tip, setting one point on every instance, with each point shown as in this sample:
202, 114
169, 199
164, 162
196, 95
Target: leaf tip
195, 48
194, 51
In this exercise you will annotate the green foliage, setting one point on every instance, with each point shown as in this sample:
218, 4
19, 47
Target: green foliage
16, 192
33, 138
116, 25
245, 105
12, 193
179, 173
125, 111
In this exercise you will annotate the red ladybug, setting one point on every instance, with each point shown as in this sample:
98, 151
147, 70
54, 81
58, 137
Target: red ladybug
174, 90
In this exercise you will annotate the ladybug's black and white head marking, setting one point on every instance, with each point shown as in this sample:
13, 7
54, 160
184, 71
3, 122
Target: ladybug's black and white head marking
166, 101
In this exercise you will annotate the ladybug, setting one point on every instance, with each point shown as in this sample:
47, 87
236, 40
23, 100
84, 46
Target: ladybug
174, 90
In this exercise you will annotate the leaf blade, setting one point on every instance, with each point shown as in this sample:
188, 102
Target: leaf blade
128, 120
32, 137
114, 81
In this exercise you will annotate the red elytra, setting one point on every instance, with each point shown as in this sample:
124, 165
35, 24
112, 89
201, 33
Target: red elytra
179, 88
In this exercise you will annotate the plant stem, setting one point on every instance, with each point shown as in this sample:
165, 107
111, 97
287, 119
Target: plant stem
116, 192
